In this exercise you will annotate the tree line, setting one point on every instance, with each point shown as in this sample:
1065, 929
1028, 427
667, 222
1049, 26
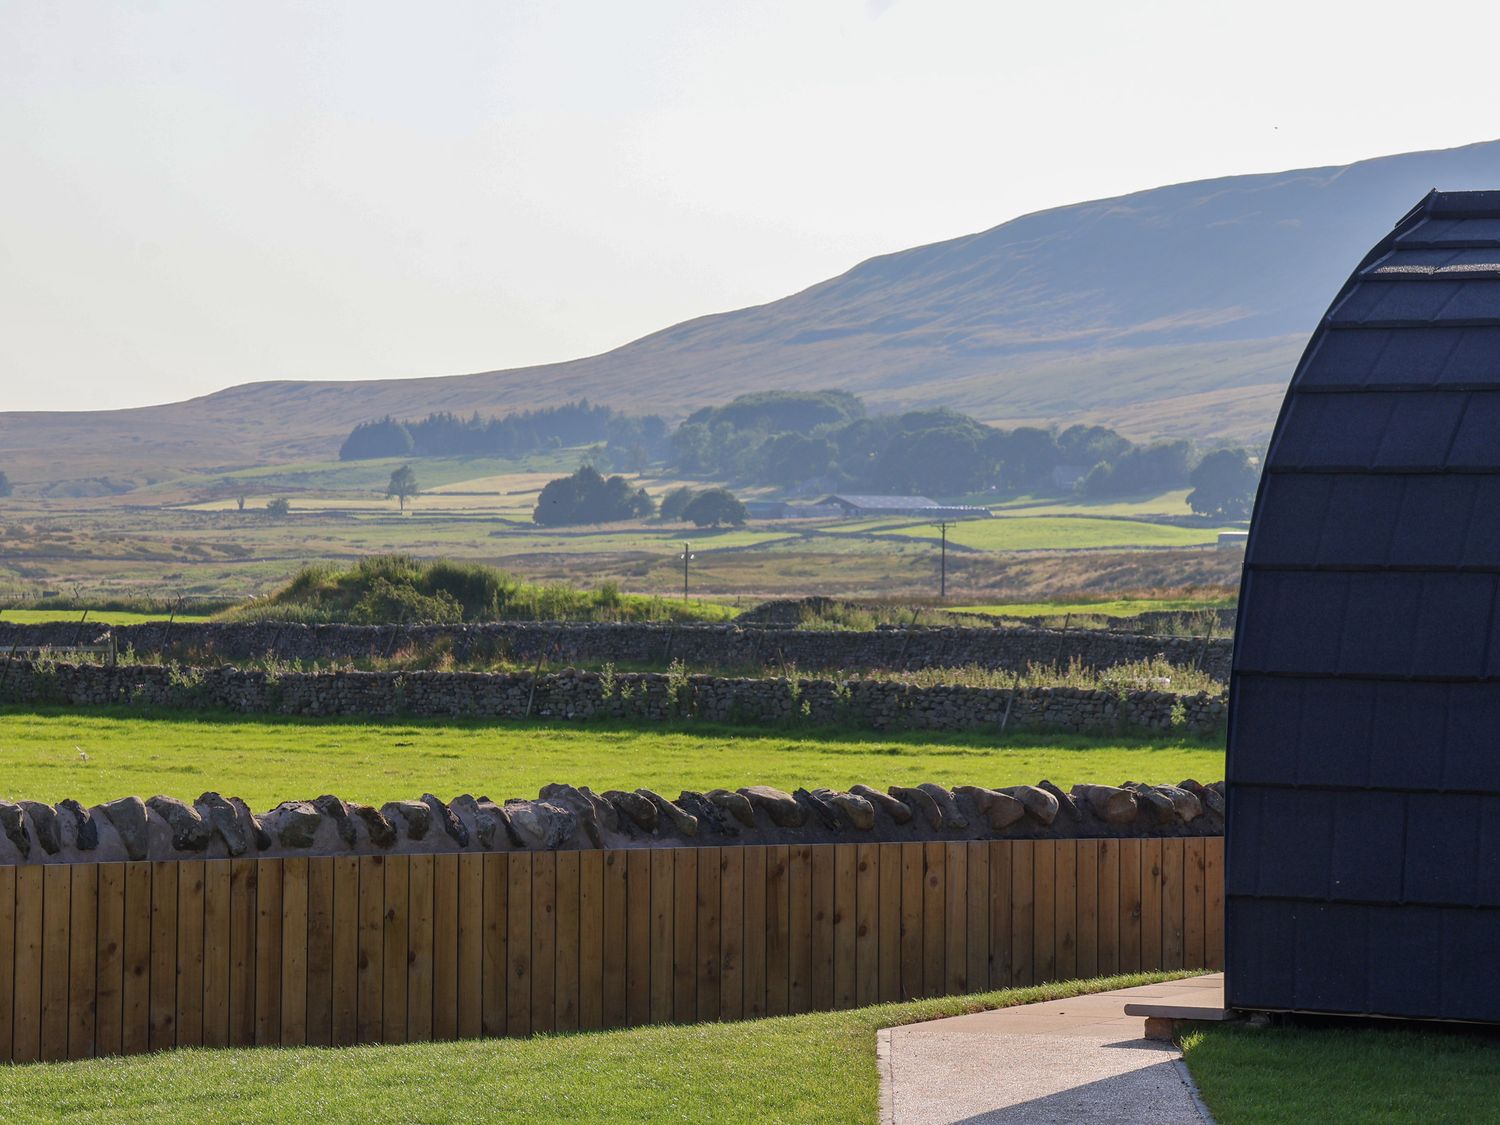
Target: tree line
442, 434
826, 438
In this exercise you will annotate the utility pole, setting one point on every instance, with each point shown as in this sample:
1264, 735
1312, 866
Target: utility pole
686, 557
943, 565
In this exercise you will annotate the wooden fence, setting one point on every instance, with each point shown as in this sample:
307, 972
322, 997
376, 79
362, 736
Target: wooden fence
120, 958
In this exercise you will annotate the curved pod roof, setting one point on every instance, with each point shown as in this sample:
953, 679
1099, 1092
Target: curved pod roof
1364, 749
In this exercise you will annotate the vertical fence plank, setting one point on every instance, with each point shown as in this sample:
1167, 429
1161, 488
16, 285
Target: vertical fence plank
395, 942
493, 1007
1151, 904
56, 907
956, 919
934, 916
821, 960
1173, 871
135, 994
1192, 902
419, 941
755, 956
294, 951
164, 954
776, 931
684, 935
845, 915
867, 924
190, 953
638, 924
1065, 909
591, 939
370, 984
544, 941
1130, 905
977, 924
1000, 947
27, 1031
268, 874
320, 906
1044, 917
518, 944
1213, 903
344, 1018
445, 946
108, 969
731, 933
888, 937
216, 956
8, 962
567, 941
710, 880
911, 921
1088, 908
1022, 912
662, 883
1107, 861
83, 957
799, 929
470, 943
243, 878
616, 935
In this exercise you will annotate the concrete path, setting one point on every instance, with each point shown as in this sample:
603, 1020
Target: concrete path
1079, 1060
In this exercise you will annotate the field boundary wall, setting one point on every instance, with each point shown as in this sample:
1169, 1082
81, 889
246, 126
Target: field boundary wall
650, 696
124, 958
703, 646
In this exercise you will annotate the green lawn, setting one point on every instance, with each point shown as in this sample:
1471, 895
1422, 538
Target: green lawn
804, 1069
97, 755
1359, 1076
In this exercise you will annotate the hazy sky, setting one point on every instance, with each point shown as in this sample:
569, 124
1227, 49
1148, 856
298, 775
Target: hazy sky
197, 193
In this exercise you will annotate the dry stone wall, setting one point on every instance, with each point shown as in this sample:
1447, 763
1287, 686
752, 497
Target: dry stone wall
564, 818
701, 645
872, 704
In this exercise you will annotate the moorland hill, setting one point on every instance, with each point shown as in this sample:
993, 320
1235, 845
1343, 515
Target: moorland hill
1178, 311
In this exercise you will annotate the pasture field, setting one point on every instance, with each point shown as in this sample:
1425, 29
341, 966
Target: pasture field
1060, 533
96, 755
1119, 607
810, 1068
96, 617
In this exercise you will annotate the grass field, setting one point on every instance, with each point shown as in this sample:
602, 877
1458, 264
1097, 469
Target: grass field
1032, 533
96, 617
1123, 607
1346, 1076
97, 755
806, 1069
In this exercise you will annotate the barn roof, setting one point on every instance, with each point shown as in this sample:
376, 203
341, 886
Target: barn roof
1364, 747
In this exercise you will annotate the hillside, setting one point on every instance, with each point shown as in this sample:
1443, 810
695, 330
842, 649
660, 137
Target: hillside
1179, 310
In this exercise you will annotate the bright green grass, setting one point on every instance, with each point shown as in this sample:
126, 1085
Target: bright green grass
1125, 607
1031, 533
804, 1069
1361, 1076
1172, 503
267, 760
96, 617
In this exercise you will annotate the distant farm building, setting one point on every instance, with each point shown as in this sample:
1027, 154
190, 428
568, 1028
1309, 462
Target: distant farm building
867, 507
1231, 540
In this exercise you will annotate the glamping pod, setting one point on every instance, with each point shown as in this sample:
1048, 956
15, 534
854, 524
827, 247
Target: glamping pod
1363, 841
